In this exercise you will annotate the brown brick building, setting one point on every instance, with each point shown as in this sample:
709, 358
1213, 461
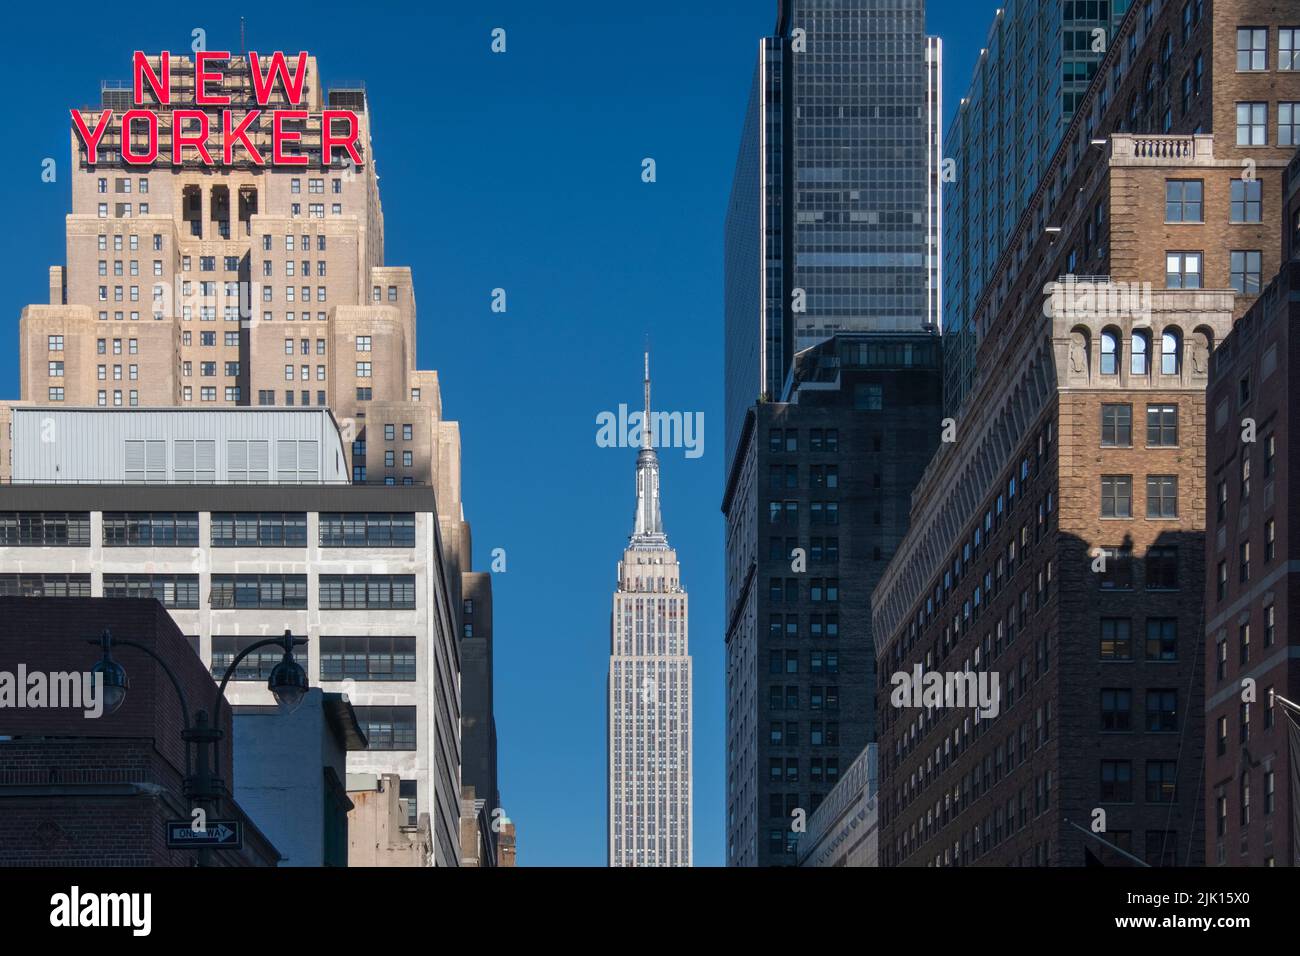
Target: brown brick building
1057, 542
1252, 613
84, 791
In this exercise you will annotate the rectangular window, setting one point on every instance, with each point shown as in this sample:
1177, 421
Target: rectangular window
1247, 203
1116, 425
1162, 639
367, 658
362, 529
1288, 124
1116, 639
172, 590
45, 585
1117, 569
1117, 496
257, 666
45, 528
1162, 425
1252, 49
1116, 781
1184, 200
1162, 776
273, 591
1252, 124
1162, 496
254, 529
367, 591
1116, 710
1183, 270
1162, 568
1246, 271
156, 529
1162, 711
388, 728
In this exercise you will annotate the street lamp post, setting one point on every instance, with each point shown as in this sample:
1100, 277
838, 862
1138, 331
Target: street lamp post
202, 786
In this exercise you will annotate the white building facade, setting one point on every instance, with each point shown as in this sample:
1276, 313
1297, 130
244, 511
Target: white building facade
364, 572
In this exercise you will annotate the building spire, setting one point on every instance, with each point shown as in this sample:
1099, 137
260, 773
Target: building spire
645, 422
648, 528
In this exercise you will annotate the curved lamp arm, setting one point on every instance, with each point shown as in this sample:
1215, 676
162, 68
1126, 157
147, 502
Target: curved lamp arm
185, 707
287, 642
108, 642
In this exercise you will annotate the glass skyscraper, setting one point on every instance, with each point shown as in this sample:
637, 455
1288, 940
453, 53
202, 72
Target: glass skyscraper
833, 298
1034, 69
833, 223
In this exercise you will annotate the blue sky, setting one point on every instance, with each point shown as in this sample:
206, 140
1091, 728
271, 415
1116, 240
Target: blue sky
520, 171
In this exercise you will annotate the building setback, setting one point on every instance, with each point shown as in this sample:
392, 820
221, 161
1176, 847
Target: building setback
649, 687
361, 572
815, 504
1252, 626
1058, 543
822, 234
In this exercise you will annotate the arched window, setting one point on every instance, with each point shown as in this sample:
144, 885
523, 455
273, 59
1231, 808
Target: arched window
1170, 353
1109, 353
1139, 363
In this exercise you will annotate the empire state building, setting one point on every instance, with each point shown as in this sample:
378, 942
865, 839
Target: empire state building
649, 687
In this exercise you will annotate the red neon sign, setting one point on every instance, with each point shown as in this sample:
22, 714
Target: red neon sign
340, 130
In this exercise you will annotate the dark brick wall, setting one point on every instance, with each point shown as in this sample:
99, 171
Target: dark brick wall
1263, 350
881, 455
78, 791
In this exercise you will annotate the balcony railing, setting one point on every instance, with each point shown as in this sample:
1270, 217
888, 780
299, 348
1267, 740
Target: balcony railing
1130, 149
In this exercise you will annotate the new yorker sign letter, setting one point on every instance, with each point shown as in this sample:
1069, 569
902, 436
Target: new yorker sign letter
194, 132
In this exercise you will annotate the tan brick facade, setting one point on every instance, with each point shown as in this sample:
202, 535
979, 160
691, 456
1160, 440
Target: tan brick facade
192, 286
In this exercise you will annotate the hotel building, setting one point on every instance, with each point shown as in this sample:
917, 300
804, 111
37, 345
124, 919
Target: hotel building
207, 289
216, 286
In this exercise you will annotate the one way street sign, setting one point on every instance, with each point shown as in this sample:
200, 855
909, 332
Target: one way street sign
222, 834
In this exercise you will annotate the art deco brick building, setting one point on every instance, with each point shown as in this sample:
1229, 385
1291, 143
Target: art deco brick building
238, 285
1252, 627
1059, 539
